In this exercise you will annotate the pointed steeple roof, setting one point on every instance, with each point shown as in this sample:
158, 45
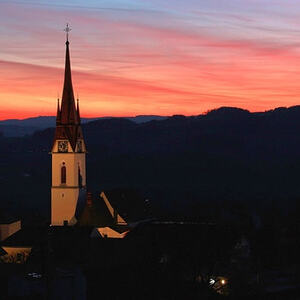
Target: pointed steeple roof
68, 109
68, 117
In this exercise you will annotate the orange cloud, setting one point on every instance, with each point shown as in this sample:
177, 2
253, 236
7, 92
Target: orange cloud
127, 66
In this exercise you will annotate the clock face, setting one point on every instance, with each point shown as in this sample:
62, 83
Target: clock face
79, 146
62, 146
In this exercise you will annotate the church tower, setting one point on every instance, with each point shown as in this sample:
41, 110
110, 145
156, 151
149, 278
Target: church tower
68, 154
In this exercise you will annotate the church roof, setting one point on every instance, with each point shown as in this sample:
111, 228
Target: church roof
93, 211
129, 204
68, 110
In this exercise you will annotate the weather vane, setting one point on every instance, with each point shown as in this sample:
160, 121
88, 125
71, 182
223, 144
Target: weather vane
67, 30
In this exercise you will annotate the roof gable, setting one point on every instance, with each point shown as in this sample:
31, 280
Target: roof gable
128, 203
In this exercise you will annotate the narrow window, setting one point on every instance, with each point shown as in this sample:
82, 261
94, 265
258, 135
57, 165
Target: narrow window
79, 178
63, 174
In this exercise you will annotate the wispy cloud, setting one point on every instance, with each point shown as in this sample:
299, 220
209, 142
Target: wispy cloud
131, 57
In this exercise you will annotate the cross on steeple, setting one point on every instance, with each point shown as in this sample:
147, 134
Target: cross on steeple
67, 30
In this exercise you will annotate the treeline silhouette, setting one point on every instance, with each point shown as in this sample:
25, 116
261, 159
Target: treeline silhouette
226, 156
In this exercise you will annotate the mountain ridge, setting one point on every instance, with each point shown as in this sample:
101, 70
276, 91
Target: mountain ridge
22, 127
228, 154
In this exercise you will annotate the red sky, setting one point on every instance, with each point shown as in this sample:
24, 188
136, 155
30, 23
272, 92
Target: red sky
149, 57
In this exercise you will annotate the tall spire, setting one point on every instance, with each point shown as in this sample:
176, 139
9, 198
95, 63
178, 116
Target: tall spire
68, 118
68, 110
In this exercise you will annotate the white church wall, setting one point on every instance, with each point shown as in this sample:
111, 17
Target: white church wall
63, 205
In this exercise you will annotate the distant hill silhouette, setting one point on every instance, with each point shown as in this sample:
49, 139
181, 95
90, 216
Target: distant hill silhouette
17, 128
228, 154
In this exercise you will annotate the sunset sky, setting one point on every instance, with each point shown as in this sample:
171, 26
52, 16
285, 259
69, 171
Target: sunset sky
165, 57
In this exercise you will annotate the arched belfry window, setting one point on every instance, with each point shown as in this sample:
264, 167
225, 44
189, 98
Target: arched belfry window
63, 174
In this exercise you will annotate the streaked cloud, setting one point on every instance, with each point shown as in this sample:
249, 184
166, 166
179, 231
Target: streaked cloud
142, 57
